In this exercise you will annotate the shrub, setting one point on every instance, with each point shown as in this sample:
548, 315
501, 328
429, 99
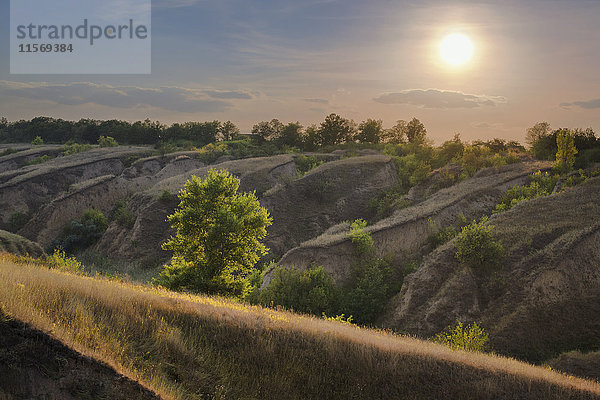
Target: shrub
37, 141
370, 291
75, 148
362, 240
540, 185
165, 196
17, 220
82, 232
107, 141
122, 215
218, 239
471, 337
371, 285
306, 163
39, 160
477, 247
8, 151
59, 260
566, 151
310, 291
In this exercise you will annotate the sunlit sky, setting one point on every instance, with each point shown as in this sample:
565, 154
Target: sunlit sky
248, 61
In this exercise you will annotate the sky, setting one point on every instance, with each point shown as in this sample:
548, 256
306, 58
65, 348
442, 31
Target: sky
300, 60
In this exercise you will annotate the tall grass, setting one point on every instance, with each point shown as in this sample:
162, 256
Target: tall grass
188, 347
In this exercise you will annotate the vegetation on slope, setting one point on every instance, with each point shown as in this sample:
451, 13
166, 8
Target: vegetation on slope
192, 347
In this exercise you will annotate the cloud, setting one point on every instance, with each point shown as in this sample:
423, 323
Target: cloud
167, 98
228, 94
318, 101
434, 98
588, 105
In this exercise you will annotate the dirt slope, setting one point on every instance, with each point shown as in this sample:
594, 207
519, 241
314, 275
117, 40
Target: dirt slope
35, 366
405, 233
543, 300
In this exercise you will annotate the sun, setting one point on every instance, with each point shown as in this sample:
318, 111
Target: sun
456, 49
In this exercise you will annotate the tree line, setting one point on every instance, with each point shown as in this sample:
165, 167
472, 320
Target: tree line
334, 130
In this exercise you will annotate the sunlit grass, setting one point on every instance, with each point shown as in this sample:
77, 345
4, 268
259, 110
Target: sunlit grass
185, 346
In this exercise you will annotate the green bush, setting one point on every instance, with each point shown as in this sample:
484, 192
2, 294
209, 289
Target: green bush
306, 163
372, 282
310, 291
165, 196
39, 160
37, 141
17, 220
476, 246
470, 337
75, 148
82, 232
540, 185
59, 260
372, 287
122, 215
8, 151
107, 141
362, 240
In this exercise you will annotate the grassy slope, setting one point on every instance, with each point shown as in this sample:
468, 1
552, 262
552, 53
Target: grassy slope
193, 347
11, 243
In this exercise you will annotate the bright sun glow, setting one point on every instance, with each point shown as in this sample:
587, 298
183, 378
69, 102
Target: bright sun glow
456, 49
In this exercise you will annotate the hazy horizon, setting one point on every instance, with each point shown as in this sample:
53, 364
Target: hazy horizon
246, 62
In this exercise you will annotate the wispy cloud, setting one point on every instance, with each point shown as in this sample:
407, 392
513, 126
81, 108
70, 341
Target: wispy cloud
168, 98
435, 98
589, 104
318, 101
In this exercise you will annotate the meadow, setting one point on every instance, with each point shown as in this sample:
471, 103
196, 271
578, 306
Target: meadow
186, 346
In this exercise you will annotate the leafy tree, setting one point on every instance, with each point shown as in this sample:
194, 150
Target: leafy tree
17, 220
537, 132
268, 130
565, 155
82, 232
3, 123
477, 247
396, 134
218, 239
290, 135
37, 141
228, 131
311, 138
416, 132
470, 337
370, 131
335, 130
310, 291
107, 141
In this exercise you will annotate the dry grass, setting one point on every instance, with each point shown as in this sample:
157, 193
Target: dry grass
188, 347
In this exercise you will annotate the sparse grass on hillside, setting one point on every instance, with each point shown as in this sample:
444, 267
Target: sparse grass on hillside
188, 347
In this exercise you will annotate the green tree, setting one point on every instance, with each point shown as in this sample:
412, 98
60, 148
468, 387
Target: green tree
370, 131
477, 247
107, 141
290, 135
396, 134
228, 131
565, 155
218, 239
336, 130
268, 130
416, 132
536, 132
37, 141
